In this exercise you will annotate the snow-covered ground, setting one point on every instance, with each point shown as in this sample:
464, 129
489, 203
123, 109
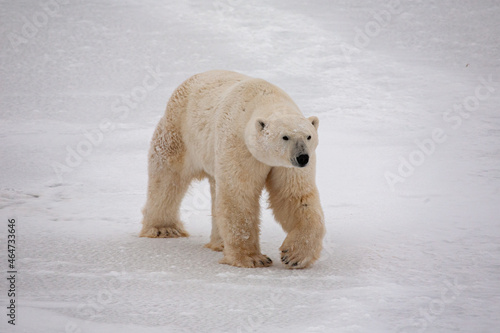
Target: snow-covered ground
408, 97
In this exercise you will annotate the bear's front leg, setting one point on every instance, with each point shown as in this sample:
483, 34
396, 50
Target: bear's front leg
294, 199
238, 219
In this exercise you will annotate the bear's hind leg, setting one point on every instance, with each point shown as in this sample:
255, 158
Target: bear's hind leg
216, 242
166, 189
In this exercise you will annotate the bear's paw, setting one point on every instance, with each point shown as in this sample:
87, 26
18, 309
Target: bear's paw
164, 232
247, 261
297, 252
215, 246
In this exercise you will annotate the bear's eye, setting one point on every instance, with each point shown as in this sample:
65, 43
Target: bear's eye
309, 137
285, 138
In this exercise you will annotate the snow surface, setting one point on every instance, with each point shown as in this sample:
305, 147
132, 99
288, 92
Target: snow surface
83, 84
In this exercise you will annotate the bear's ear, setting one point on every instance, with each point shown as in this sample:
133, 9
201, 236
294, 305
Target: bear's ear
260, 124
314, 121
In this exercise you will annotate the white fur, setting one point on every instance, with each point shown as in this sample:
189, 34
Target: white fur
230, 128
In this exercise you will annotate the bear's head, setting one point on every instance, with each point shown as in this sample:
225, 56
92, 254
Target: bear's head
286, 141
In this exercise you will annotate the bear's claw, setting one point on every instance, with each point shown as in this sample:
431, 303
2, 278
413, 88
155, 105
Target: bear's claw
295, 261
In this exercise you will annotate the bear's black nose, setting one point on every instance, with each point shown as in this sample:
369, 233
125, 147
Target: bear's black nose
302, 160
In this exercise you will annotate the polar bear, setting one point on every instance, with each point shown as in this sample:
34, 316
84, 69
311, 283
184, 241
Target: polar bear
243, 134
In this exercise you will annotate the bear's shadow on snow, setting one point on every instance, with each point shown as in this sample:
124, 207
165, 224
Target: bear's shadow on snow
189, 254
